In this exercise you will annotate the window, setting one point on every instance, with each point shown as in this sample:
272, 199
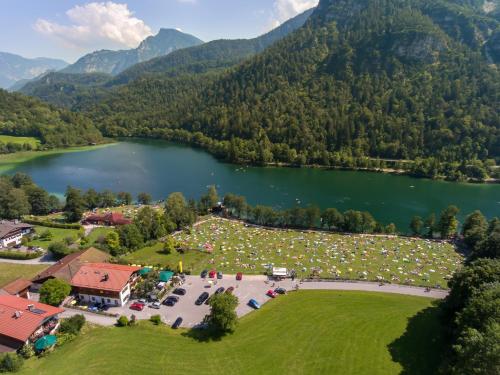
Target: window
109, 300
92, 298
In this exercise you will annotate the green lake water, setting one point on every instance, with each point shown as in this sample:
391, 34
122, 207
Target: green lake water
161, 168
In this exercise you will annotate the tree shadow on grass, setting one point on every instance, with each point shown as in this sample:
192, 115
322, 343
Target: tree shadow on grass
420, 349
204, 334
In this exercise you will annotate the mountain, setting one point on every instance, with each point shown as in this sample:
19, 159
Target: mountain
395, 79
14, 68
114, 62
25, 116
215, 54
80, 90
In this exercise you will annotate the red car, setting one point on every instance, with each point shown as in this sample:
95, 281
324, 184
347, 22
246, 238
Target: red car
230, 290
271, 293
212, 274
137, 306
239, 276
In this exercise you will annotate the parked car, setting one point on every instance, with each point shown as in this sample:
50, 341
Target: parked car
155, 305
219, 275
142, 300
204, 274
253, 303
209, 299
239, 276
177, 323
230, 290
280, 290
179, 291
271, 293
212, 274
171, 301
137, 306
202, 298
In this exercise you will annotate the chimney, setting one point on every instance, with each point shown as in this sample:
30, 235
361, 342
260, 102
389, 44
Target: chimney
18, 314
105, 277
30, 307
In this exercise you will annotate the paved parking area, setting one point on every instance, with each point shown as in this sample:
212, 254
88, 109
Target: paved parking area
250, 287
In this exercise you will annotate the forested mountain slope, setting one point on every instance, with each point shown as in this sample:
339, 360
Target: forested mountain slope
366, 78
24, 116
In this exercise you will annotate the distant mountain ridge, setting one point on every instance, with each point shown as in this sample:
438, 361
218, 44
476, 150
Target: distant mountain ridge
14, 68
114, 62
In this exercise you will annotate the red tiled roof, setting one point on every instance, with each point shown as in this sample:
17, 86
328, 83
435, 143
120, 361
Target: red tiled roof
22, 327
16, 286
92, 276
110, 217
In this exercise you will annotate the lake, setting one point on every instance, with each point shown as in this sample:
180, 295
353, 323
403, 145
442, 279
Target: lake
160, 168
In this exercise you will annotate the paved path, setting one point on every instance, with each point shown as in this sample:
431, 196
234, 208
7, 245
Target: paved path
44, 259
90, 317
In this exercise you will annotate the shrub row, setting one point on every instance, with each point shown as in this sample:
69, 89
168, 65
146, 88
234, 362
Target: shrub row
18, 255
51, 224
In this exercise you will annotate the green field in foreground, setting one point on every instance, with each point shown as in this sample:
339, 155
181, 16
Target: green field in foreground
12, 271
10, 161
58, 235
34, 142
305, 332
238, 247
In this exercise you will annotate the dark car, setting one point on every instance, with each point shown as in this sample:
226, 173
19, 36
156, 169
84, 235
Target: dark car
230, 290
171, 301
220, 290
204, 274
202, 298
280, 290
179, 291
177, 323
219, 275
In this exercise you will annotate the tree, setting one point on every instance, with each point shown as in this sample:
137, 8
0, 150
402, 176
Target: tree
416, 225
312, 216
474, 229
124, 198
10, 362
72, 325
75, 205
332, 218
91, 198
178, 211
390, 228
39, 200
130, 237
112, 241
59, 249
489, 247
107, 199
151, 223
209, 200
448, 223
54, 291
144, 198
122, 321
430, 224
17, 204
169, 245
223, 317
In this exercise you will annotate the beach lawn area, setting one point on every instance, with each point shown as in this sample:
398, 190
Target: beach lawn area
232, 246
305, 332
12, 271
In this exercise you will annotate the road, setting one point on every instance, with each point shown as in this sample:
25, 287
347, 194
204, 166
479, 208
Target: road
44, 259
252, 286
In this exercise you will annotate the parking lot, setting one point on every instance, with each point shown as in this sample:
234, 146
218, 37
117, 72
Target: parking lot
250, 287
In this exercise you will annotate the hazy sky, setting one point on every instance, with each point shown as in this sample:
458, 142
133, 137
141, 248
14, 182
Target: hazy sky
68, 29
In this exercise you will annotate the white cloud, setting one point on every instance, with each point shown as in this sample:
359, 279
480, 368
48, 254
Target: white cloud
103, 25
286, 9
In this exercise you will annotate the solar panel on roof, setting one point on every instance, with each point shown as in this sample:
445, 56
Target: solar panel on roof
38, 311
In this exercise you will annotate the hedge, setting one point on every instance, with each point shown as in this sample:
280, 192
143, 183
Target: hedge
51, 224
20, 255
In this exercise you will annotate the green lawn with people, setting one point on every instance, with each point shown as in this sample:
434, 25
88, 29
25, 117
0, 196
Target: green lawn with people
305, 332
232, 246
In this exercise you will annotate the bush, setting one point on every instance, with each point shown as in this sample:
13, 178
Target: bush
46, 235
54, 291
59, 249
155, 319
19, 255
51, 224
122, 321
72, 325
10, 362
27, 351
63, 338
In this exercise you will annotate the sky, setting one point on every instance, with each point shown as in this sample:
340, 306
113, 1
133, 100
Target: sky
68, 29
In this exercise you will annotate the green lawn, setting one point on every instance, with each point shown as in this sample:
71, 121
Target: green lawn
34, 142
153, 255
306, 332
12, 271
237, 247
98, 233
58, 235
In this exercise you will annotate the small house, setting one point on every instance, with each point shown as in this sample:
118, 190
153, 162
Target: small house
12, 232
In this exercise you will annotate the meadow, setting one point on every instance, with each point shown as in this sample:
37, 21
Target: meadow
12, 271
305, 332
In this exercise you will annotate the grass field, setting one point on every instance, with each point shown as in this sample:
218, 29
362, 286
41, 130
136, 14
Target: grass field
306, 332
98, 233
238, 247
58, 235
11, 161
12, 271
34, 142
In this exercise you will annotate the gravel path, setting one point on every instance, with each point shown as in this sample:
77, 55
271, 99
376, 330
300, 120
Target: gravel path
44, 259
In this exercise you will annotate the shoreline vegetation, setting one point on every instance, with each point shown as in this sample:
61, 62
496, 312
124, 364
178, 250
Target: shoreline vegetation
11, 160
